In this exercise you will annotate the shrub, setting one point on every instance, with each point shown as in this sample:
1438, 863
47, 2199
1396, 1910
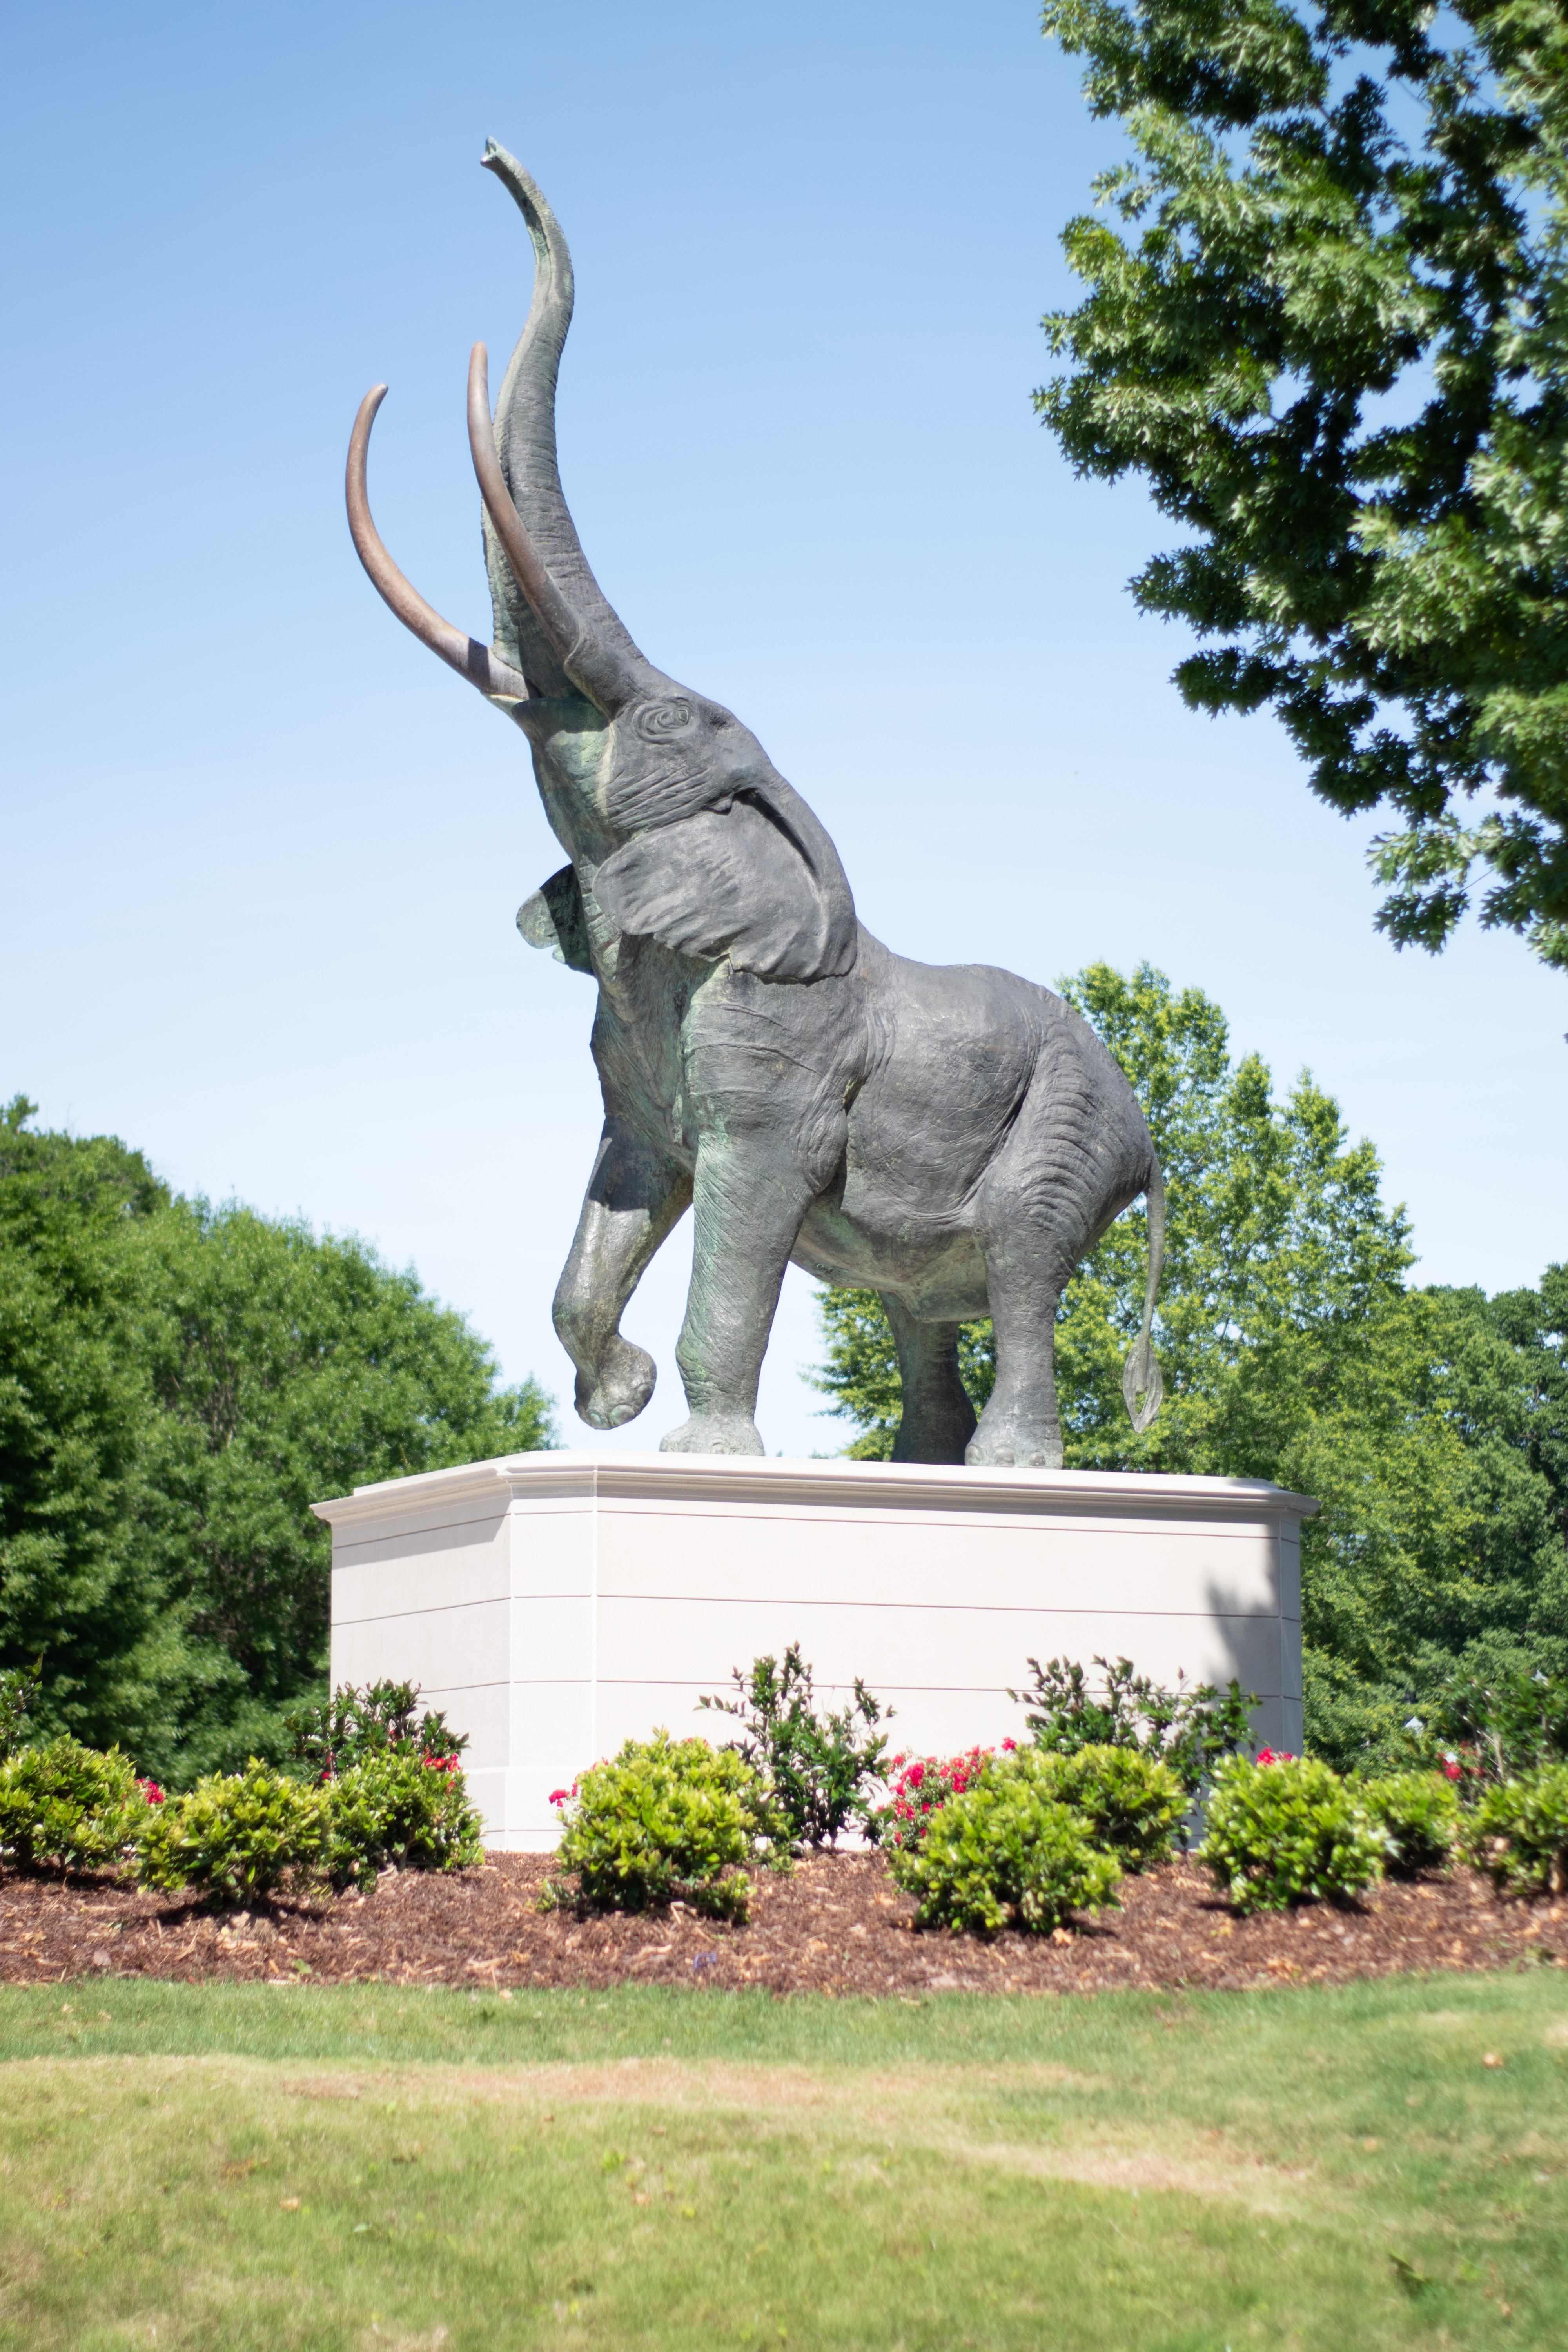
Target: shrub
666, 1820
1003, 1850
1189, 1731
819, 1768
1418, 1814
1284, 1829
18, 1690
356, 1723
919, 1786
235, 1836
68, 1807
404, 1808
1518, 1832
1484, 1731
1132, 1805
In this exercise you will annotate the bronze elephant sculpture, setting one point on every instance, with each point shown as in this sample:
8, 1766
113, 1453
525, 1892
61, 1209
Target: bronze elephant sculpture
949, 1136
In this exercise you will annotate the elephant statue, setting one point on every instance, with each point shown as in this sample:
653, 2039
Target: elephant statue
953, 1137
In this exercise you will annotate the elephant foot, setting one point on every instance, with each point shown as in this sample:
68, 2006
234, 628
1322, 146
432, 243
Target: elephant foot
1013, 1442
714, 1432
623, 1385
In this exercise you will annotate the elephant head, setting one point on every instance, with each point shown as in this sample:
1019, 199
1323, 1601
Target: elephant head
674, 816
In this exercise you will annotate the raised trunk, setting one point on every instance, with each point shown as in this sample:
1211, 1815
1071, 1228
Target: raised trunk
525, 445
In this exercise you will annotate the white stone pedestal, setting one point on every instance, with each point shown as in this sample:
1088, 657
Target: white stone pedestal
555, 1604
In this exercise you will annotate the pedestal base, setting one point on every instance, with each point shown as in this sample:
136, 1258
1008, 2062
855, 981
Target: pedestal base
555, 1604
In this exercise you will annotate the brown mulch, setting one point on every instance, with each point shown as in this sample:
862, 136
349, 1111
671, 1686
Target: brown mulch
836, 1924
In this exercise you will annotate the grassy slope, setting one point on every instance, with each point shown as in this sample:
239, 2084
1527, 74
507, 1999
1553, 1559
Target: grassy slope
1297, 2169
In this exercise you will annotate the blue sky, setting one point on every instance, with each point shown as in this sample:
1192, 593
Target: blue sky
264, 853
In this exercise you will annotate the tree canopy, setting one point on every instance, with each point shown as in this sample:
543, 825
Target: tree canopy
178, 1382
1432, 1424
1332, 336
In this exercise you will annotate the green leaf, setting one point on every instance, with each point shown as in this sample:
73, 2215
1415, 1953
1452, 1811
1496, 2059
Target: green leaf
1332, 336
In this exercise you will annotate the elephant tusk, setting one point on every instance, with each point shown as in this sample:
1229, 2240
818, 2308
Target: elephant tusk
470, 659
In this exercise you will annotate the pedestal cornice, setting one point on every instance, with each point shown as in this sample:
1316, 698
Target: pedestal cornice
754, 1481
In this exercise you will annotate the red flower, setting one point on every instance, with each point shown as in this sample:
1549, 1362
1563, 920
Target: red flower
151, 1791
561, 1796
1274, 1756
1452, 1770
1009, 1747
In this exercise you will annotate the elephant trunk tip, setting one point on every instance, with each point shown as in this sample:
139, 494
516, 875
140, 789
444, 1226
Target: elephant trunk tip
505, 165
1142, 1385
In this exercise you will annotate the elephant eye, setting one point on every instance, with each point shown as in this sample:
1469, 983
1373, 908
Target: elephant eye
655, 720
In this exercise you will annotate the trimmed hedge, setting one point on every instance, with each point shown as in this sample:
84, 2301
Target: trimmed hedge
402, 1808
1132, 1804
666, 1821
1519, 1833
233, 1836
66, 1807
1285, 1829
1418, 1814
1004, 1851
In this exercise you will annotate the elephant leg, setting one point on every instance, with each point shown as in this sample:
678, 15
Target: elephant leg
937, 1418
749, 1200
1024, 1275
635, 1195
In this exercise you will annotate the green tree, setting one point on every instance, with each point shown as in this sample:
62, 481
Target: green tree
1431, 1425
177, 1384
74, 1404
1334, 340
1441, 1546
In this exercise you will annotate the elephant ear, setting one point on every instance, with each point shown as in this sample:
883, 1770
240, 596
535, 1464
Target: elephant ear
745, 882
553, 918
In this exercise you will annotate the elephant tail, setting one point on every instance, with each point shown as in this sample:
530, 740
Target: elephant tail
1142, 1385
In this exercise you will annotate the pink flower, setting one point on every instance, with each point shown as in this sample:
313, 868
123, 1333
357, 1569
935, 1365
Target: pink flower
1274, 1756
1452, 1770
151, 1791
1009, 1747
561, 1796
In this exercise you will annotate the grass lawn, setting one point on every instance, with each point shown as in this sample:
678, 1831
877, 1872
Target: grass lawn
298, 2166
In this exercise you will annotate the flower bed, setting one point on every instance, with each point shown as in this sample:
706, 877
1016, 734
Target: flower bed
1038, 1837
835, 1923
